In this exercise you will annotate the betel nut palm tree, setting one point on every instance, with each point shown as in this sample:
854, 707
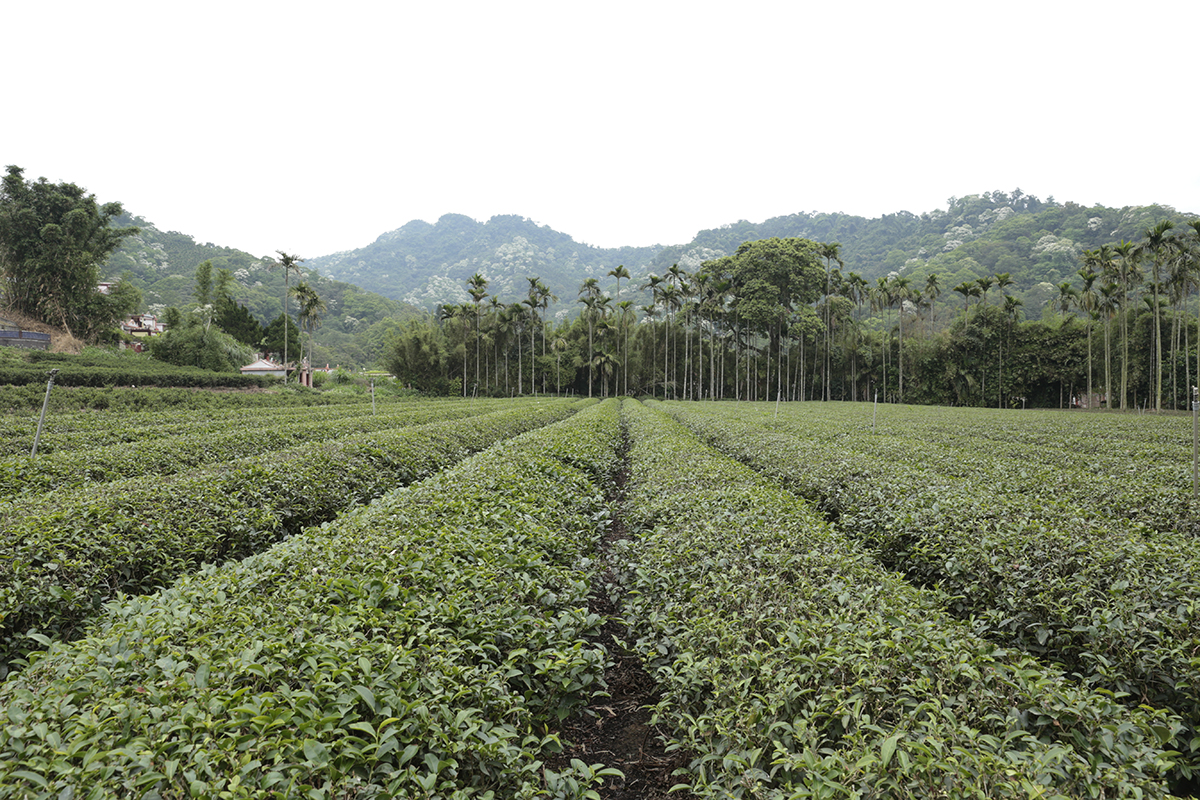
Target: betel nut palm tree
830, 251
477, 288
1156, 247
312, 307
289, 264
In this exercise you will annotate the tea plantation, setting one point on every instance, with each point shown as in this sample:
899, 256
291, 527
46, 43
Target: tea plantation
832, 600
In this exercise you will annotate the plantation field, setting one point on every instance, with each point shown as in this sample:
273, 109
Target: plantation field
831, 600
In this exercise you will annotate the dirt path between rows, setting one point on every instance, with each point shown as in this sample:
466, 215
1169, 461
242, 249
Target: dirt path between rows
616, 730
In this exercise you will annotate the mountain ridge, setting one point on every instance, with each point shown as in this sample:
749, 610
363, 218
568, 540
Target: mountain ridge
1039, 243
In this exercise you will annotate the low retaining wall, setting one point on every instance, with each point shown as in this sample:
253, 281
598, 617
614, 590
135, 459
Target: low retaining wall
29, 340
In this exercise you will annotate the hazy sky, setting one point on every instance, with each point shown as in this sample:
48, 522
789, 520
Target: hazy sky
313, 128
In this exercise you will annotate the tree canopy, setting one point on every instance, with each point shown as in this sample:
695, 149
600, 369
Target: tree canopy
53, 238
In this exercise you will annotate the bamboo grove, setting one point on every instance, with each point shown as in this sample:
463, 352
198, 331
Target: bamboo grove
781, 319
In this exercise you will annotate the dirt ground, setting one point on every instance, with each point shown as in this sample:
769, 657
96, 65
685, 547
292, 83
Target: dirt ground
615, 731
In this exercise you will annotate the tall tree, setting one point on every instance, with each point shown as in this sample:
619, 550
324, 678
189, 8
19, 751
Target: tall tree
1190, 248
1089, 301
965, 289
1066, 298
204, 283
1129, 272
589, 294
830, 251
620, 272
1100, 262
290, 265
53, 238
1012, 310
477, 288
1108, 306
932, 290
312, 308
900, 293
1156, 246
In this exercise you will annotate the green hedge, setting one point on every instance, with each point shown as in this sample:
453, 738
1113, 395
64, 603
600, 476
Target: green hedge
71, 553
792, 665
66, 431
183, 377
29, 398
419, 647
1101, 594
225, 439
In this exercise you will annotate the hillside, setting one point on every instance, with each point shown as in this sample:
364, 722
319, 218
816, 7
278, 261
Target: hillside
1039, 242
422, 265
163, 264
427, 265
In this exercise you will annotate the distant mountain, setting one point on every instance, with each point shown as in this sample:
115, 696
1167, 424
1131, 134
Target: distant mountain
421, 266
428, 265
1039, 243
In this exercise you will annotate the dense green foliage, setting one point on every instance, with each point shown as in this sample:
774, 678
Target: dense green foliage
426, 265
736, 327
889, 281
1095, 570
29, 398
74, 550
902, 602
73, 430
178, 447
202, 346
164, 265
793, 665
1038, 242
418, 648
102, 368
53, 238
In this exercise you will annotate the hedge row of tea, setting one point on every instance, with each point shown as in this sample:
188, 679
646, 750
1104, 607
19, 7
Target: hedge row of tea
1126, 466
72, 551
793, 665
154, 373
418, 647
81, 430
1097, 590
221, 440
29, 398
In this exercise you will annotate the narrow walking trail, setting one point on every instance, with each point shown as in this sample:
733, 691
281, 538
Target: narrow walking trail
616, 731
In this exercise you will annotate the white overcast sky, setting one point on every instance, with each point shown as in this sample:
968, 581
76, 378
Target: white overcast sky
314, 127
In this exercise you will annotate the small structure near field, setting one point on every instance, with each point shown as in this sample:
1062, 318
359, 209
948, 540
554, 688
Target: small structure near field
265, 368
143, 325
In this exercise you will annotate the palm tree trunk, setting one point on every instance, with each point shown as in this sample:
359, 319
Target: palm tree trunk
1124, 357
1089, 391
1157, 349
1107, 362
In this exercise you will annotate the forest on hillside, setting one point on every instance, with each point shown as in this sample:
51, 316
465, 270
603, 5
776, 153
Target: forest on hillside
1037, 242
787, 319
354, 325
1037, 246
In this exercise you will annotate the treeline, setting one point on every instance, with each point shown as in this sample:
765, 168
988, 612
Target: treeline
247, 293
782, 319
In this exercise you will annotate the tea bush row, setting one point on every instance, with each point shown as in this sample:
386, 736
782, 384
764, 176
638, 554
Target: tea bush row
30, 397
79, 430
152, 374
221, 440
422, 647
792, 665
1113, 603
69, 553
